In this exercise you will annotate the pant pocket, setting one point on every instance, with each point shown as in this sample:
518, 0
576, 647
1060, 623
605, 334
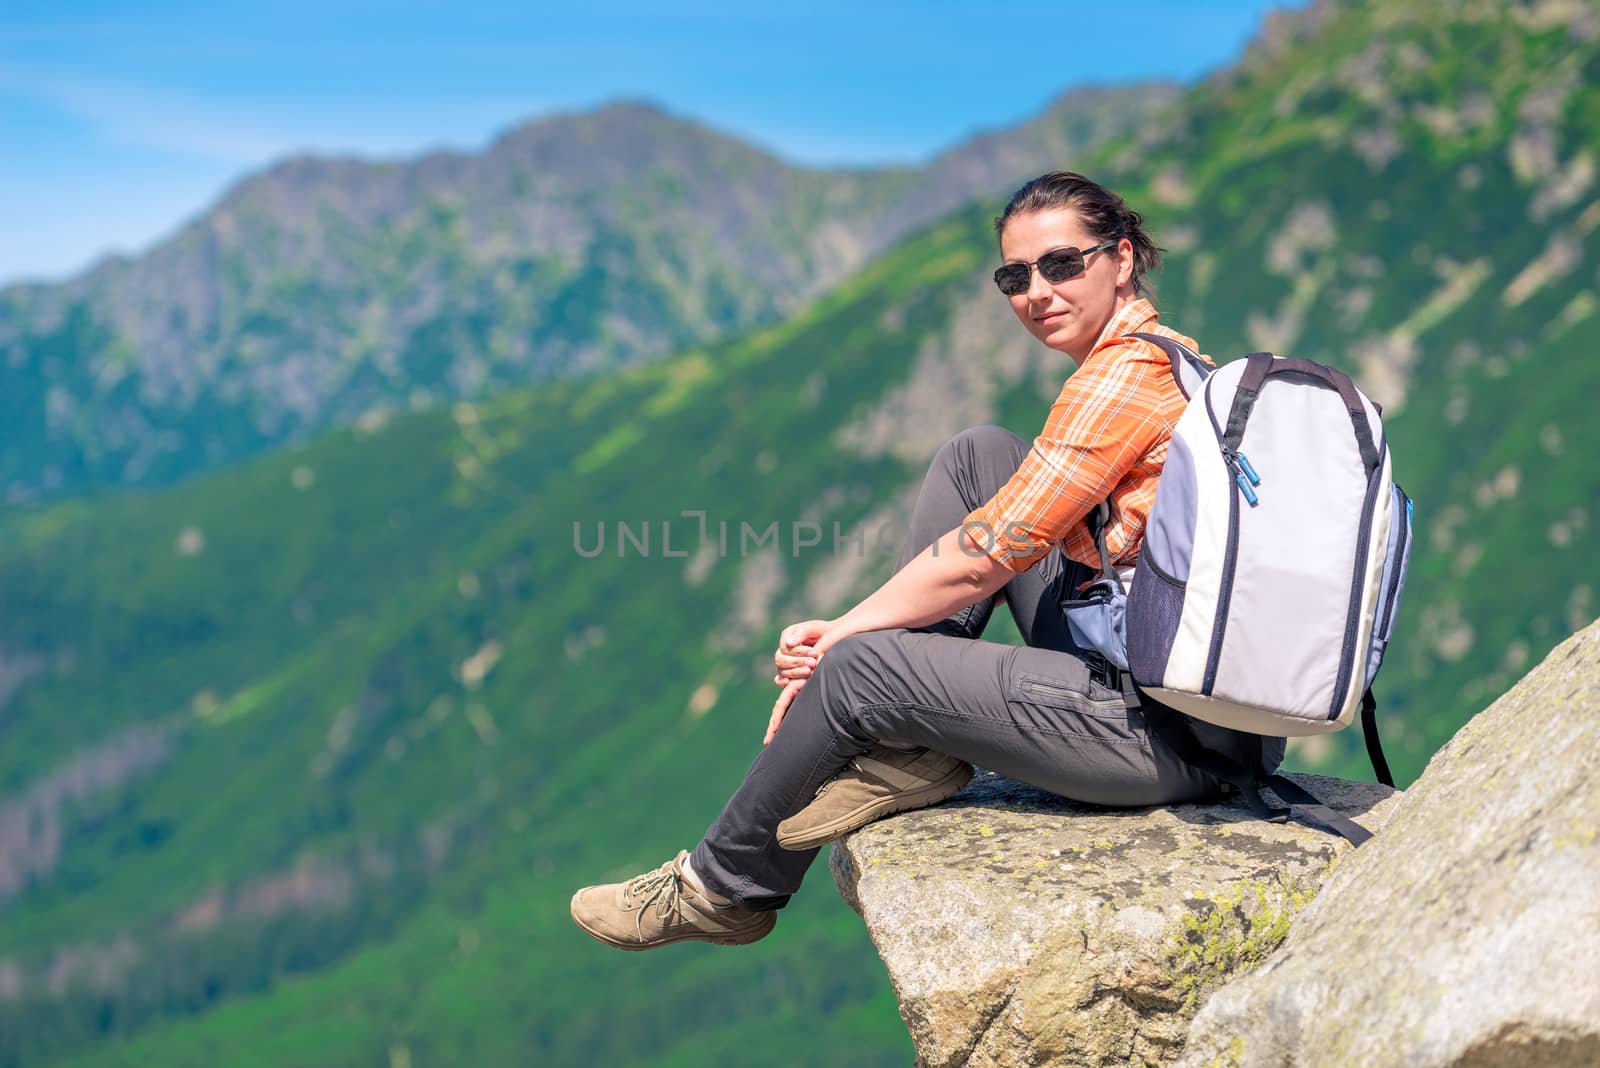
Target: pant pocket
1049, 705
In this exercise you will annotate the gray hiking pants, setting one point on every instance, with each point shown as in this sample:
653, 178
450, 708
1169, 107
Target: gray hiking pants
1033, 714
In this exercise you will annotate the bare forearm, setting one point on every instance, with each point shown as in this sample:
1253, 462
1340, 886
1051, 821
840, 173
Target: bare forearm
947, 576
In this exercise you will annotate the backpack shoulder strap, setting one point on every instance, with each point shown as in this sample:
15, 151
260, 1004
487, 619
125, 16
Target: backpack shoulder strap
1188, 369
1369, 730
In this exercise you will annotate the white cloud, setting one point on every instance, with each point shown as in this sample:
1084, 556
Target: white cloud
245, 133
139, 117
159, 156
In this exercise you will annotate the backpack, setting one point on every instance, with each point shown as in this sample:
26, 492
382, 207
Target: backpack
1271, 569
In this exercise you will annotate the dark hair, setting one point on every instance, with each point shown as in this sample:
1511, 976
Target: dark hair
1105, 213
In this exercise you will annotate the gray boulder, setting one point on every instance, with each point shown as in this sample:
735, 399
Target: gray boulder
1020, 928
1468, 933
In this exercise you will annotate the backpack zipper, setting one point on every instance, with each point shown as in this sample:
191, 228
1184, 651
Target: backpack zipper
1352, 622
1399, 563
1230, 559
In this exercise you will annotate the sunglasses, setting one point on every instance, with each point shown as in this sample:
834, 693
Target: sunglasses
1057, 265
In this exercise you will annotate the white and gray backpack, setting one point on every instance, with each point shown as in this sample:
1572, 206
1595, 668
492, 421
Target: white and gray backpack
1272, 564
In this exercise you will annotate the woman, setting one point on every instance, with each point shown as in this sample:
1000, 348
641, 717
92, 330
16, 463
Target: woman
885, 705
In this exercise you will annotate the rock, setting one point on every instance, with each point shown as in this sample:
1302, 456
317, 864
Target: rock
1021, 928
1468, 933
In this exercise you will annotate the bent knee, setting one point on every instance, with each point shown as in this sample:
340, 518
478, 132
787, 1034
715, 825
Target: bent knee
865, 668
985, 439
855, 656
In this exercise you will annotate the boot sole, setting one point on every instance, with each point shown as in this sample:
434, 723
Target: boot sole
634, 947
840, 826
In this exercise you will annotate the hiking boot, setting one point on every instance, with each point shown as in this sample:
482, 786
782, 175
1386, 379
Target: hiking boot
662, 906
875, 784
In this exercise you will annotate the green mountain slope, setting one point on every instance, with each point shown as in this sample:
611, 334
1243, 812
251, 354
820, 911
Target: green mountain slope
304, 757
469, 720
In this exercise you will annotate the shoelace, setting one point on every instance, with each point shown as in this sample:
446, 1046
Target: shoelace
660, 888
835, 778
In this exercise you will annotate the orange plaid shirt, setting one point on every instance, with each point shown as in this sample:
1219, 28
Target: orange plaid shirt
1106, 439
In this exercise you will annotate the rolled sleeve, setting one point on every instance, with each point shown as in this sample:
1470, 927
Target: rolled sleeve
1105, 419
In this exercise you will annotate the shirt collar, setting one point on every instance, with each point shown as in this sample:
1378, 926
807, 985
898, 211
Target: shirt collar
1134, 316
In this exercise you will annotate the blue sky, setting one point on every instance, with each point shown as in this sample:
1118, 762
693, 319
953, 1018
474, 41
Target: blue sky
118, 121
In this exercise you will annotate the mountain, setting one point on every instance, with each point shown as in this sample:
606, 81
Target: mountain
322, 290
302, 759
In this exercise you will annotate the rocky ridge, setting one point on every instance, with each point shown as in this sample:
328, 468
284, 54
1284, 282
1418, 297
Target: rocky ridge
323, 289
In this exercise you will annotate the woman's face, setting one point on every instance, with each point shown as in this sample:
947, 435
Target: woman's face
1067, 316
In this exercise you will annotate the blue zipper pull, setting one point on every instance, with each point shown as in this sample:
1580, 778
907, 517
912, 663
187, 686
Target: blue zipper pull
1249, 494
1250, 472
1238, 465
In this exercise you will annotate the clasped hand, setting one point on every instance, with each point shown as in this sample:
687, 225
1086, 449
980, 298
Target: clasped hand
800, 647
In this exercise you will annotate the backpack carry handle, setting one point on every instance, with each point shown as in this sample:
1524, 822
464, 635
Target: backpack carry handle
1263, 365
